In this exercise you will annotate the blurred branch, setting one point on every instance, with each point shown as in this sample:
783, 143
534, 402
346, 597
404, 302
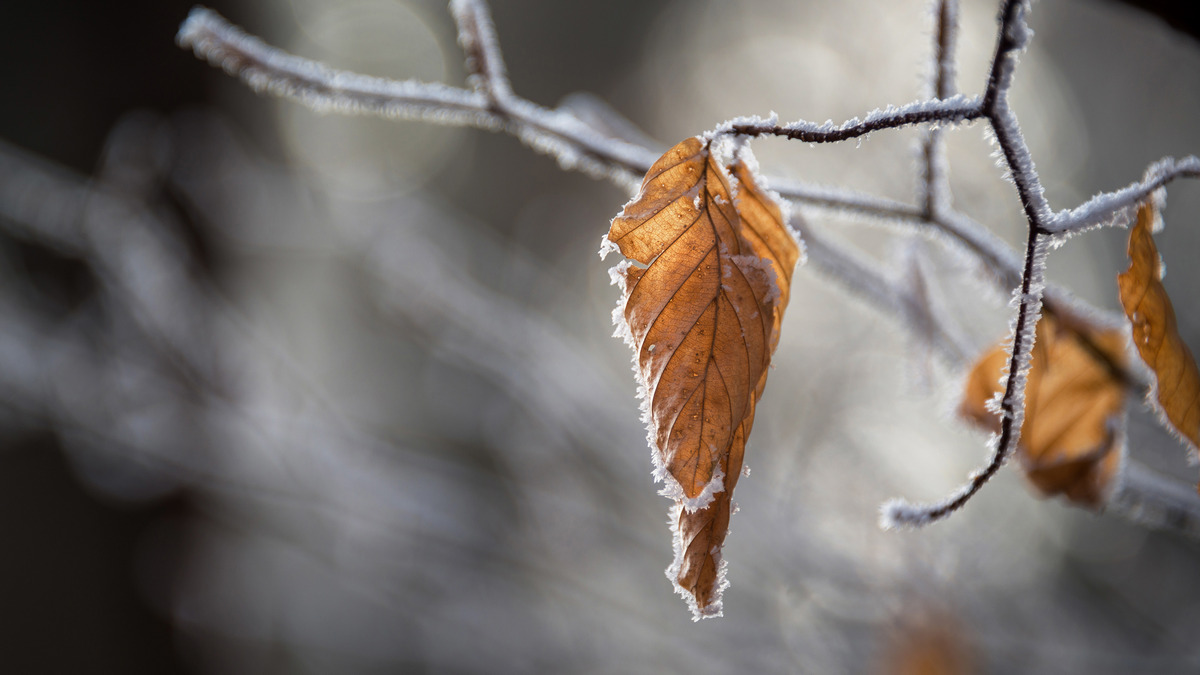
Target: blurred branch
935, 187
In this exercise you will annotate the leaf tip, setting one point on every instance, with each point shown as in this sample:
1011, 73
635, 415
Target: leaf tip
703, 599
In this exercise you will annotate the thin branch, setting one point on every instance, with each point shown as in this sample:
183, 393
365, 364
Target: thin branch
865, 281
1013, 36
952, 110
935, 188
323, 89
1113, 207
947, 42
477, 36
843, 200
1153, 501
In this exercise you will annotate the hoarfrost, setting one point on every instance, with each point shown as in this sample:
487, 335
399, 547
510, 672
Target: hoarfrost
672, 489
607, 246
1115, 209
750, 265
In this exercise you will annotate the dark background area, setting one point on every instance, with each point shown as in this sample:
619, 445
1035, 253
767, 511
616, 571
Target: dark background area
70, 596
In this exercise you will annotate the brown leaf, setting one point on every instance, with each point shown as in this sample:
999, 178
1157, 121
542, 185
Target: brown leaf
1074, 403
703, 317
1155, 333
930, 643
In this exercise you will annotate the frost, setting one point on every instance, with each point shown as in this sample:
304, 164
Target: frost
618, 275
606, 247
672, 489
1018, 30
750, 265
994, 404
895, 514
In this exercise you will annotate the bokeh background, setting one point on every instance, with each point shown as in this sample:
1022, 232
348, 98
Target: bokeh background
289, 393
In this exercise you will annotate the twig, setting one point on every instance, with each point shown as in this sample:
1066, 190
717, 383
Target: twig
1151, 500
1113, 207
934, 186
324, 89
477, 36
949, 111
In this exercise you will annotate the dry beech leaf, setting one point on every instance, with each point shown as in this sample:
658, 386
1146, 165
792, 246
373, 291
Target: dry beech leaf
1155, 333
932, 643
703, 294
1071, 441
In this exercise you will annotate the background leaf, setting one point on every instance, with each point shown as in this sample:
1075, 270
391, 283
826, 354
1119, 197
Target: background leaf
1155, 332
1075, 403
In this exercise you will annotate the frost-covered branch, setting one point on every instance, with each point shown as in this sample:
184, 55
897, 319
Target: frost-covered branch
269, 70
1113, 207
1149, 499
934, 194
574, 142
952, 110
477, 36
324, 89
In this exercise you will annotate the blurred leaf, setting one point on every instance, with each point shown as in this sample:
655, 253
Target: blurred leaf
1155, 333
1074, 404
930, 645
703, 318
